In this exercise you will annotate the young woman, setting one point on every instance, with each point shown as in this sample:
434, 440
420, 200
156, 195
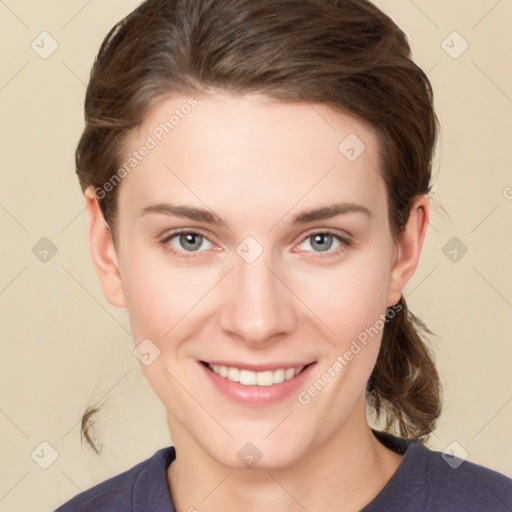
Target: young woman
256, 175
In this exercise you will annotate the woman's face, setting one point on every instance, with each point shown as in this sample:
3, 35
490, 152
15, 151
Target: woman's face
285, 260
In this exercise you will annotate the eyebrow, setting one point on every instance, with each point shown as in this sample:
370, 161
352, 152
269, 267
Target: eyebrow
184, 211
330, 211
199, 214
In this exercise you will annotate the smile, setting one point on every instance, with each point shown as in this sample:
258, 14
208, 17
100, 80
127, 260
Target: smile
257, 384
252, 378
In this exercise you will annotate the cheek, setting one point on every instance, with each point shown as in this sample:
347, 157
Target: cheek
161, 296
351, 299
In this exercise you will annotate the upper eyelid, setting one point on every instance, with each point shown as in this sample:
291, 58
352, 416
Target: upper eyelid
173, 234
329, 231
345, 238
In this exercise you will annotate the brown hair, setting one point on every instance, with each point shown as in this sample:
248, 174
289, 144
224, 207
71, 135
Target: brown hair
346, 54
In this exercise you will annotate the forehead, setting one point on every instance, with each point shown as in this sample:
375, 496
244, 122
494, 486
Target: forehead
252, 149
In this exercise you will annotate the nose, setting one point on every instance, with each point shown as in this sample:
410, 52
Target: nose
259, 305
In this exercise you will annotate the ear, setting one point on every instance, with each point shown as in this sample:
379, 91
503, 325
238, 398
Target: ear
103, 251
408, 248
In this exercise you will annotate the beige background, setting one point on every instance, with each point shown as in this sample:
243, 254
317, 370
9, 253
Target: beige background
64, 347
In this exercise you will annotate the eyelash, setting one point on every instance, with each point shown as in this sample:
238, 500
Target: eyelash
187, 255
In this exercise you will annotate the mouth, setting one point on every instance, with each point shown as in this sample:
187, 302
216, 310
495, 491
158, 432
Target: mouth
255, 377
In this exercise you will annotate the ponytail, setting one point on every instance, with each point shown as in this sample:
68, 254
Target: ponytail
404, 386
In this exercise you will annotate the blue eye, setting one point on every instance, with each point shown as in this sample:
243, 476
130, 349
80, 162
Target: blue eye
323, 241
188, 242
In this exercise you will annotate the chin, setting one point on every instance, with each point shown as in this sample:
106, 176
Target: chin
260, 454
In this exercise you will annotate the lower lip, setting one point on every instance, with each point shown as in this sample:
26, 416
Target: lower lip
257, 395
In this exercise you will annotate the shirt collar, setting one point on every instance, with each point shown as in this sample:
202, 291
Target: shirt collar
151, 489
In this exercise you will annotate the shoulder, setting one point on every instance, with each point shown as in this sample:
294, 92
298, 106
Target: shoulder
469, 486
427, 480
122, 492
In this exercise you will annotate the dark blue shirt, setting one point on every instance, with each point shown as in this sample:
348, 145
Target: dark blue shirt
424, 481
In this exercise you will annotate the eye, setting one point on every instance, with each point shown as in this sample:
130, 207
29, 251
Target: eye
189, 244
185, 243
323, 242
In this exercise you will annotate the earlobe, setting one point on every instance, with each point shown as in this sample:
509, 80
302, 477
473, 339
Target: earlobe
408, 248
103, 251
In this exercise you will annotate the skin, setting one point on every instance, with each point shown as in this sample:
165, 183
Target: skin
257, 163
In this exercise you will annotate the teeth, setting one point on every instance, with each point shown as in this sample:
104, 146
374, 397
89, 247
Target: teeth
249, 378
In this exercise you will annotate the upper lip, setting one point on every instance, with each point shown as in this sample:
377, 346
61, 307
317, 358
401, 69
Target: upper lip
259, 367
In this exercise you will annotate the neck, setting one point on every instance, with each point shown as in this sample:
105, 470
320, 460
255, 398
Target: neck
344, 474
